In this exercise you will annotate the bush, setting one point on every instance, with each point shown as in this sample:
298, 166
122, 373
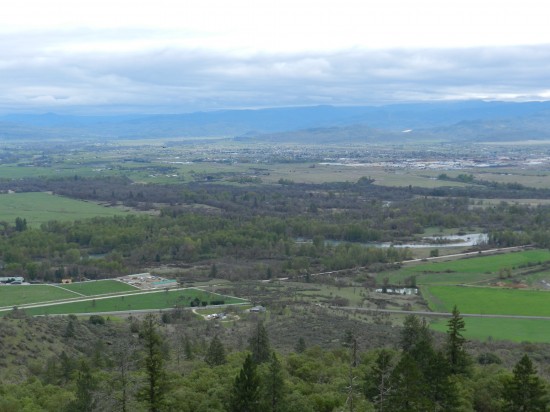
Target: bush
97, 320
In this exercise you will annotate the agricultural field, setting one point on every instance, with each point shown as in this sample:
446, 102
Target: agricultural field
476, 285
467, 270
142, 301
94, 296
38, 208
515, 330
487, 300
15, 295
99, 287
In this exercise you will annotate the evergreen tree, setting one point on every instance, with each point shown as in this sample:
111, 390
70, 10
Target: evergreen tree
456, 355
188, 348
153, 392
213, 271
300, 345
378, 385
441, 390
259, 344
246, 389
20, 224
70, 329
525, 391
273, 386
414, 331
407, 387
216, 353
66, 366
124, 363
85, 384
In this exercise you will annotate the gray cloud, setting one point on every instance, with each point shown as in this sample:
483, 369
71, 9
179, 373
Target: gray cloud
39, 72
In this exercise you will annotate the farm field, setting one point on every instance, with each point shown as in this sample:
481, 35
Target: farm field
15, 295
467, 270
149, 300
99, 287
486, 300
522, 330
38, 208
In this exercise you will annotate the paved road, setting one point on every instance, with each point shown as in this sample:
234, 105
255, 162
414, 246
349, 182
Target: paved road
441, 314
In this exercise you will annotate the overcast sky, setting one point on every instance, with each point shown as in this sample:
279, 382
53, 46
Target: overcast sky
168, 56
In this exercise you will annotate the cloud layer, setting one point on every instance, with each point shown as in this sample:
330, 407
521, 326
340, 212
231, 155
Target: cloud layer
101, 71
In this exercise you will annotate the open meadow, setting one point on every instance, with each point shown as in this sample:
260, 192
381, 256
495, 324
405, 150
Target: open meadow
40, 207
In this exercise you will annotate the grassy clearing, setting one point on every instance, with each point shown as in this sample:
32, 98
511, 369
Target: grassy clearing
15, 295
151, 300
485, 300
99, 287
39, 208
516, 330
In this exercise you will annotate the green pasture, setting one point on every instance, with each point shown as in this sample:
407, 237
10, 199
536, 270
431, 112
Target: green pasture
487, 300
516, 330
40, 207
15, 295
466, 270
150, 300
13, 171
99, 287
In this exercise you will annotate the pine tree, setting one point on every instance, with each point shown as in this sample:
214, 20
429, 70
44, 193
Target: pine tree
246, 389
301, 346
259, 344
407, 387
153, 392
456, 355
378, 385
85, 384
274, 386
188, 348
525, 391
216, 353
414, 331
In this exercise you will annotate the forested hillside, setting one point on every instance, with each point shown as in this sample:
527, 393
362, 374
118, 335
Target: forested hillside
179, 363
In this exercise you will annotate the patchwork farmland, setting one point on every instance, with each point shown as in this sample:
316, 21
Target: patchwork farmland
103, 296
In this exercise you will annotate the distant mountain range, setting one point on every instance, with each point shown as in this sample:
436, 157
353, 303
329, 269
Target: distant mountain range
442, 121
